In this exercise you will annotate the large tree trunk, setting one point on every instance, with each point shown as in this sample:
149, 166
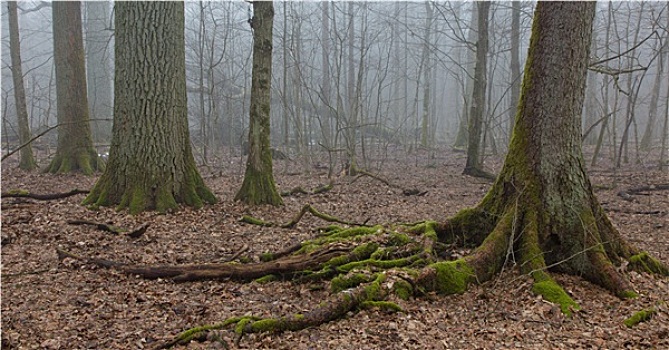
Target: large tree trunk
27, 161
258, 186
543, 185
75, 144
151, 164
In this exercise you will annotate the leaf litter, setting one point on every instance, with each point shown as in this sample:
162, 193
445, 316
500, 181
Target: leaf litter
52, 304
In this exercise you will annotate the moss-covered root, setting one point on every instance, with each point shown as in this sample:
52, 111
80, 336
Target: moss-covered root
372, 294
532, 262
643, 262
639, 316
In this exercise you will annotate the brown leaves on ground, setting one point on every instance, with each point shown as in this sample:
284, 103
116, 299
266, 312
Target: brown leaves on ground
68, 305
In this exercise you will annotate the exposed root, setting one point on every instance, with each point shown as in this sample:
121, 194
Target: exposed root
41, 197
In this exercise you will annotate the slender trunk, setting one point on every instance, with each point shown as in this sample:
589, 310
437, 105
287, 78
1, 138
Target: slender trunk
27, 161
515, 64
478, 95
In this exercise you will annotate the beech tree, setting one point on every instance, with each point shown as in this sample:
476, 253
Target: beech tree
258, 186
151, 164
541, 213
27, 161
75, 150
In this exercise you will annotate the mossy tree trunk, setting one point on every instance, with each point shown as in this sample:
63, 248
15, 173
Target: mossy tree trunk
27, 161
151, 164
543, 188
258, 186
473, 166
75, 150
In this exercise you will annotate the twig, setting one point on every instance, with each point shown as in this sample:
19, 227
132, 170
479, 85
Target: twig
41, 197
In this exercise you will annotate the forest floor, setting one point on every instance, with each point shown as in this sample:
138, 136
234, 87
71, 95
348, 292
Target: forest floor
49, 303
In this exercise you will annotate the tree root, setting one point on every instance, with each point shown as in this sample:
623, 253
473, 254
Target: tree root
307, 208
41, 197
136, 233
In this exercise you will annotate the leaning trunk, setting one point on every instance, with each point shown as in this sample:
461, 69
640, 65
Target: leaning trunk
27, 161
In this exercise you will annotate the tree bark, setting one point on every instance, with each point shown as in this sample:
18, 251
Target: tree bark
27, 160
75, 150
515, 64
258, 186
543, 185
98, 68
151, 164
473, 166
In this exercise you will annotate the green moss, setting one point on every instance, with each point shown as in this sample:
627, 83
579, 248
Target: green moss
645, 263
403, 289
265, 279
551, 291
398, 239
357, 231
241, 324
382, 264
639, 316
383, 305
374, 291
165, 200
245, 259
253, 221
452, 276
265, 257
628, 294
19, 192
339, 284
362, 251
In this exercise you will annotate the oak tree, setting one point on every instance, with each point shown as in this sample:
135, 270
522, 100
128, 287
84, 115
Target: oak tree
151, 164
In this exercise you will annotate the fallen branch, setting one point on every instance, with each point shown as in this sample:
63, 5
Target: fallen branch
628, 193
305, 209
405, 191
300, 190
136, 233
41, 197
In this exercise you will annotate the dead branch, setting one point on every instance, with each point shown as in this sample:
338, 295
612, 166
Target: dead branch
300, 190
41, 197
639, 190
136, 233
405, 191
283, 266
307, 208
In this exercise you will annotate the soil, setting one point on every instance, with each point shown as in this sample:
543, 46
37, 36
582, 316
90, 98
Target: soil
49, 303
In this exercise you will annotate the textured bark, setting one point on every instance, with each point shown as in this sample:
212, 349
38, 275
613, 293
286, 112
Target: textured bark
557, 219
99, 76
473, 164
258, 186
515, 64
27, 161
75, 144
151, 164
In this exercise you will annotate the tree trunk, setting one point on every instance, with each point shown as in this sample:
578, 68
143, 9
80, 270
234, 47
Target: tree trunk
647, 138
543, 199
75, 144
98, 68
427, 52
461, 138
515, 64
27, 161
473, 166
151, 164
258, 186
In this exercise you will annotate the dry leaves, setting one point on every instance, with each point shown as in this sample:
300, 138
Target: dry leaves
68, 305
